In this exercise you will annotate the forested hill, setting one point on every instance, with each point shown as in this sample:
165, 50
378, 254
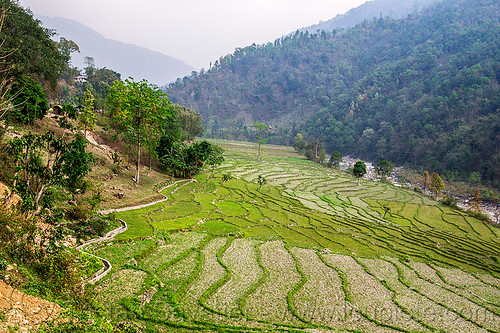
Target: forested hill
422, 90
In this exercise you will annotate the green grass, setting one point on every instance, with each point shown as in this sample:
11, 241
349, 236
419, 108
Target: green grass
304, 210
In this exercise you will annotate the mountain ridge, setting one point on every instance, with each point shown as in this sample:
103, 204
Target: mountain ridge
369, 10
125, 58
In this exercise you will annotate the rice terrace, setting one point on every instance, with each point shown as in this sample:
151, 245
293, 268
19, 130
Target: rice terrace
311, 251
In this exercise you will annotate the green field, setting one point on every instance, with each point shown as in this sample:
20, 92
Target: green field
311, 250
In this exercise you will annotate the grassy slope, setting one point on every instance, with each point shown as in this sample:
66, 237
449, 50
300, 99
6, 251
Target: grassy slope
307, 219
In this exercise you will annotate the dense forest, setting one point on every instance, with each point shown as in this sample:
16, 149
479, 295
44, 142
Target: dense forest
423, 90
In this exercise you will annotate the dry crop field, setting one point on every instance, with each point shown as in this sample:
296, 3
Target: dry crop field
309, 251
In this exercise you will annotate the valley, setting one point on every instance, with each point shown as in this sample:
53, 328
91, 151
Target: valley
309, 250
335, 180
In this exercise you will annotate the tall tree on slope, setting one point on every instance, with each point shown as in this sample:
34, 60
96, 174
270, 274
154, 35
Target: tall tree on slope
143, 110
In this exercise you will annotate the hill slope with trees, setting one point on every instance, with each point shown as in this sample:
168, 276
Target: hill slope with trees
421, 90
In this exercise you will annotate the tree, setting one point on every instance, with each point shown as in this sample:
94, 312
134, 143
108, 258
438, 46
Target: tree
299, 143
261, 129
426, 181
335, 159
475, 178
215, 158
29, 99
359, 170
66, 47
384, 168
322, 156
186, 160
76, 164
90, 69
142, 110
475, 204
45, 160
87, 118
437, 184
70, 111
190, 122
31, 50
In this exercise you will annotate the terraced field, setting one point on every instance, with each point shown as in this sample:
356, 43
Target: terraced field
311, 250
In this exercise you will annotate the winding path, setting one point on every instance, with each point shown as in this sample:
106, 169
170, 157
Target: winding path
106, 268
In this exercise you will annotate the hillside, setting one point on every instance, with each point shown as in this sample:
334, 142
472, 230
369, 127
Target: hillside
126, 59
421, 90
376, 8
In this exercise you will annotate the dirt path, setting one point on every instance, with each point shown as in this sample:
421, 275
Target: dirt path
112, 234
116, 210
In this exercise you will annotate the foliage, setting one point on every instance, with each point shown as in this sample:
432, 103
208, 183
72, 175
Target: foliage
359, 170
215, 157
5, 74
322, 156
190, 122
261, 129
76, 165
480, 216
70, 110
39, 249
426, 183
422, 90
226, 177
299, 143
29, 99
87, 118
45, 160
437, 184
261, 181
475, 204
335, 159
99, 81
66, 47
32, 51
384, 168
449, 201
143, 111
186, 160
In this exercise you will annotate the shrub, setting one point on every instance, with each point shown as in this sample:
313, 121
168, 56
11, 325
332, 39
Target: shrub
449, 201
226, 177
79, 212
480, 216
30, 100
98, 224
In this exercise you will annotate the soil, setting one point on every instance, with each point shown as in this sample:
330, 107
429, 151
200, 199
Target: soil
23, 311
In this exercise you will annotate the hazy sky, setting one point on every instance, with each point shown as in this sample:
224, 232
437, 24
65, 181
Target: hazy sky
194, 31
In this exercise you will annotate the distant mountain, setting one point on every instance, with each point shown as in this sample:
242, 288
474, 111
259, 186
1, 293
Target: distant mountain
423, 90
376, 8
127, 59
